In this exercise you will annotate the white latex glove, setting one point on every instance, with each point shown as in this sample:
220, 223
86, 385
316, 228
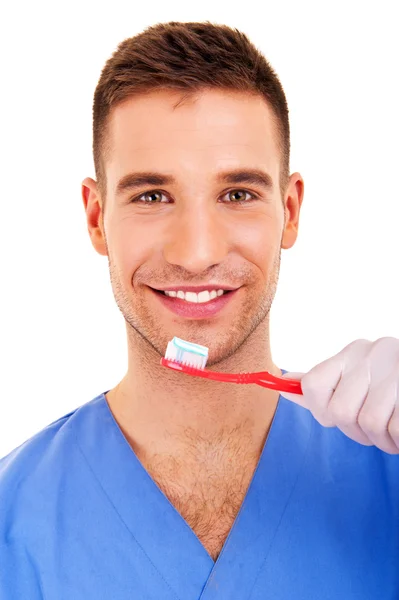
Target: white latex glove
357, 390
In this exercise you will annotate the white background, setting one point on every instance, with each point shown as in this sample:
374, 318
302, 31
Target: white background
63, 339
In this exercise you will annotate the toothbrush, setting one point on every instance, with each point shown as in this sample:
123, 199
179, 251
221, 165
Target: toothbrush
191, 358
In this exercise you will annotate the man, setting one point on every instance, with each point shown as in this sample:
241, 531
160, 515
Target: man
173, 487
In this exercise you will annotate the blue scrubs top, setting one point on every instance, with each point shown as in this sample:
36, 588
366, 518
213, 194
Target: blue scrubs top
80, 519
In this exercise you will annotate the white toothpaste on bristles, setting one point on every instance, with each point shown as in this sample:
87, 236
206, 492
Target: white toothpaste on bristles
187, 353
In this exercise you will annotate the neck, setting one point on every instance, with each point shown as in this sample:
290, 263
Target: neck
159, 410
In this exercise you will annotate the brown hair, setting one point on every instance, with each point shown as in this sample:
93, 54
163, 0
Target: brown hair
189, 57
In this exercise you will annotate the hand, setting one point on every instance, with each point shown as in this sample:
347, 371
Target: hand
357, 390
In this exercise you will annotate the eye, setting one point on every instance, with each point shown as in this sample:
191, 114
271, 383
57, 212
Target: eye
239, 196
234, 197
152, 197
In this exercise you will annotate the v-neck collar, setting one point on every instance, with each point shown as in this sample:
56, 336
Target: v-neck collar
159, 529
251, 538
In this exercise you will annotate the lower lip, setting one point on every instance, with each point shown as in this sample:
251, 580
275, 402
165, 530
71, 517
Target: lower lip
192, 310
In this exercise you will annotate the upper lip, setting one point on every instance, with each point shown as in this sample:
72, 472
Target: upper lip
196, 288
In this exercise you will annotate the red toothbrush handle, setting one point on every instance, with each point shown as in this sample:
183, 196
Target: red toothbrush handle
291, 386
263, 378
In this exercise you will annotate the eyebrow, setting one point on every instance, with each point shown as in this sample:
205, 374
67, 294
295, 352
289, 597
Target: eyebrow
256, 177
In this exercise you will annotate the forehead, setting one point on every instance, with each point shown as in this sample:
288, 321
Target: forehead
228, 128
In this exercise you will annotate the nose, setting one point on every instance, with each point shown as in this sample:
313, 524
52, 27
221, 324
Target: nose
196, 240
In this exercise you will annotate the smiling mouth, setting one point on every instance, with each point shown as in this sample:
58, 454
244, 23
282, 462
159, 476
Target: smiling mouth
195, 306
193, 297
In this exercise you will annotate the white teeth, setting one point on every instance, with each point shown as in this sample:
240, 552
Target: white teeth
200, 298
204, 296
191, 297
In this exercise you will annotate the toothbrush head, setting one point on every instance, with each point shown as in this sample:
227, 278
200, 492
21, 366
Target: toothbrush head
191, 358
186, 353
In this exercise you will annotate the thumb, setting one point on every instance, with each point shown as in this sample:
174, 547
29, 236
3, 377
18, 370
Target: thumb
297, 398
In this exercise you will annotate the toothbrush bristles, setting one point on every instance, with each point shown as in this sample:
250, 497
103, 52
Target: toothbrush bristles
187, 353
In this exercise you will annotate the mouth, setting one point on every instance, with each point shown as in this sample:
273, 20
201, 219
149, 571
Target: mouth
195, 305
200, 297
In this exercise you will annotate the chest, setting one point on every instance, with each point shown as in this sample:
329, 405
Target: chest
207, 495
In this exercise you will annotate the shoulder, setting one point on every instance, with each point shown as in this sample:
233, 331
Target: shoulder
33, 480
334, 457
342, 459
19, 468
21, 483
32, 468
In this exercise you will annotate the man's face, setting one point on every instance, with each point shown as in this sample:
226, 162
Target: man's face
197, 228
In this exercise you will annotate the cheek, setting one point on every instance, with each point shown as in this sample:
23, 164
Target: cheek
132, 244
257, 240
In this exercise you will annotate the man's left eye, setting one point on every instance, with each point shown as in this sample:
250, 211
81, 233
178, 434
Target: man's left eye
152, 197
239, 196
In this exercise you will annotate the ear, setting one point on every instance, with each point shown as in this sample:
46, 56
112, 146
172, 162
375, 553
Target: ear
94, 215
292, 202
